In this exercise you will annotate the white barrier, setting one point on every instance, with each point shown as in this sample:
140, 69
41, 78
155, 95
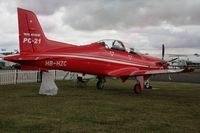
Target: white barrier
18, 76
26, 76
8, 77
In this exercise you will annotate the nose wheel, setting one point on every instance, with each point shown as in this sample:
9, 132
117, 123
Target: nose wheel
147, 85
100, 84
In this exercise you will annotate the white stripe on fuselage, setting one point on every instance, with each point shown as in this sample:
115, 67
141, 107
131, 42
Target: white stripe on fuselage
95, 58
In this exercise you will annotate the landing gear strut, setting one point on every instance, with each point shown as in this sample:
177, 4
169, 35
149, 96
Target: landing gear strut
100, 83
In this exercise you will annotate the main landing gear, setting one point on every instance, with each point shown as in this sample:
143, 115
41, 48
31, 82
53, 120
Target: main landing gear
141, 85
137, 89
100, 83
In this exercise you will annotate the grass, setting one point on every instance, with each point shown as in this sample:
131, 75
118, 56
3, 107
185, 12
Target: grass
170, 107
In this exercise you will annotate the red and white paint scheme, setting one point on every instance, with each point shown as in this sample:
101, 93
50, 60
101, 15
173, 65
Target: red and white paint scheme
103, 58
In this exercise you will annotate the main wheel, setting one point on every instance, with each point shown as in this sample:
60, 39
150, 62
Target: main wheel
137, 89
100, 85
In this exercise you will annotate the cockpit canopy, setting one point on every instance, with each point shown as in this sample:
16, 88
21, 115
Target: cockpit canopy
117, 45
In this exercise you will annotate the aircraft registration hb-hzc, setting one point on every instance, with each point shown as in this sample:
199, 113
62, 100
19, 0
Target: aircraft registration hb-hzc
104, 58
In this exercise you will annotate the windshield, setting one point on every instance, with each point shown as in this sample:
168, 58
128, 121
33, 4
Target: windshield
132, 49
119, 45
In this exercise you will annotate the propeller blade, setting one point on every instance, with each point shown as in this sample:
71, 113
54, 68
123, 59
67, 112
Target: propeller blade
172, 60
163, 51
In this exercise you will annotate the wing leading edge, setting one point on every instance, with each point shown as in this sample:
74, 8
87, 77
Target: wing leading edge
136, 72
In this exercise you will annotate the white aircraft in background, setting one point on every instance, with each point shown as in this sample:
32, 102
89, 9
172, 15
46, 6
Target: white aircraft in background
6, 64
8, 52
179, 60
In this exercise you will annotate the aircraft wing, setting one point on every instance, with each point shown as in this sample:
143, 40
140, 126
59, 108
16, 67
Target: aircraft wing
168, 71
136, 72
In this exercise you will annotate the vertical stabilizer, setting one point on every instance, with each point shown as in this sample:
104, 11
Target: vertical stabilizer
31, 36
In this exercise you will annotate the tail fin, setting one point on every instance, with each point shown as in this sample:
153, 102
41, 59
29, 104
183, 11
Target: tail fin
31, 36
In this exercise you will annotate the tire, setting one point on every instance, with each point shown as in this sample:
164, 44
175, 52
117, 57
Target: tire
100, 85
149, 87
137, 89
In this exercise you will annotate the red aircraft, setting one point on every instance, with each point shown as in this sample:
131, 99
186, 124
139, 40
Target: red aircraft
104, 58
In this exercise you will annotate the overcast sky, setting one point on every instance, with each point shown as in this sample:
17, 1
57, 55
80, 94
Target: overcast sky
144, 24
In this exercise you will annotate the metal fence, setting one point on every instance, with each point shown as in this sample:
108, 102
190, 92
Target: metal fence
19, 76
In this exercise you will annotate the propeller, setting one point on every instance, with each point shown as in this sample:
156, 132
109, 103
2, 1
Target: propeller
163, 56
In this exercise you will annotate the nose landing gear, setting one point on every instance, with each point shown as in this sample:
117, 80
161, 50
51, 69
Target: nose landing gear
147, 85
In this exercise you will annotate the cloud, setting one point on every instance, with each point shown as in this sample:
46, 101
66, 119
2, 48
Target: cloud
8, 27
43, 7
171, 36
143, 24
116, 14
